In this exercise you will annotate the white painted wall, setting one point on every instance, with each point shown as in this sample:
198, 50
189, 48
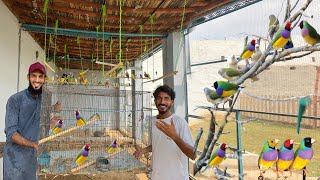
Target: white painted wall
9, 43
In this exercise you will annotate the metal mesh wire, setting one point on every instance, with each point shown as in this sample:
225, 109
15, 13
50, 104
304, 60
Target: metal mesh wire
124, 117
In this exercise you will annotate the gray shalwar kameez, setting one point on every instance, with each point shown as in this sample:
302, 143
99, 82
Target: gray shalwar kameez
22, 116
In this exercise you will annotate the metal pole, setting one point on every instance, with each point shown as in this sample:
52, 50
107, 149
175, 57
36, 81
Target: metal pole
315, 97
134, 108
239, 145
19, 53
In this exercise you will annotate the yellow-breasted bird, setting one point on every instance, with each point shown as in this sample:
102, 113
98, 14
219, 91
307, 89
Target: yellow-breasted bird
57, 127
268, 155
80, 120
83, 154
285, 156
282, 36
303, 154
112, 146
225, 89
248, 50
309, 34
217, 156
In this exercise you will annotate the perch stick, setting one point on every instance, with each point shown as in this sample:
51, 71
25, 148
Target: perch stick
94, 118
94, 161
114, 68
163, 77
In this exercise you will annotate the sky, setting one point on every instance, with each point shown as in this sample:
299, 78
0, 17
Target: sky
253, 19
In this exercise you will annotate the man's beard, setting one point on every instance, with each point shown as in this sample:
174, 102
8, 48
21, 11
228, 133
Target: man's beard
34, 91
163, 112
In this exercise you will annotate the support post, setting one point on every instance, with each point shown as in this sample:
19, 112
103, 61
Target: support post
239, 145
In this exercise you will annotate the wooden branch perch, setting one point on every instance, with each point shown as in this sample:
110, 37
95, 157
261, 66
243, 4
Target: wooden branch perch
95, 117
162, 77
93, 162
114, 68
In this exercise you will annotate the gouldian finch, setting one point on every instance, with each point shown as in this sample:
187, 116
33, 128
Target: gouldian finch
212, 96
217, 156
80, 120
303, 103
303, 154
112, 146
309, 34
57, 127
230, 74
225, 89
285, 155
268, 155
282, 36
248, 50
289, 44
83, 154
257, 54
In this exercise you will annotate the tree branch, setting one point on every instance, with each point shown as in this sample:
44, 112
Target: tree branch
294, 6
287, 58
287, 52
302, 9
201, 161
287, 11
195, 147
267, 63
297, 22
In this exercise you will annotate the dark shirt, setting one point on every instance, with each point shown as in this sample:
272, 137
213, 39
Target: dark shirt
22, 116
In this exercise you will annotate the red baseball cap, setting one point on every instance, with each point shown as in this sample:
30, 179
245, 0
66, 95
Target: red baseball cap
37, 66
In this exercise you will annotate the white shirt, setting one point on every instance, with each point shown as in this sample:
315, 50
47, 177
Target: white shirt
168, 161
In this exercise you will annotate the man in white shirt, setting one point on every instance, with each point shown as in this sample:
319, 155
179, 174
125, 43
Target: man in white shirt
172, 142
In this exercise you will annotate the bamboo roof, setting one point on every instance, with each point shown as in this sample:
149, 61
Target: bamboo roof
87, 14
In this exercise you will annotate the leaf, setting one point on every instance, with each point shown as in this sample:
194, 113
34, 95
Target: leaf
78, 40
56, 26
141, 28
104, 10
152, 19
65, 48
45, 6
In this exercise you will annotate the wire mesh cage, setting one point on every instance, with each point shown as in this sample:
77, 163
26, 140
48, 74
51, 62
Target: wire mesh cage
91, 129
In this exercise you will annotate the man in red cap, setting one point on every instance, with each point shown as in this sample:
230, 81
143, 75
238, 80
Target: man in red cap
22, 123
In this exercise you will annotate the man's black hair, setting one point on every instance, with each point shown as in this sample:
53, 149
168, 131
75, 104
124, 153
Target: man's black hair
165, 89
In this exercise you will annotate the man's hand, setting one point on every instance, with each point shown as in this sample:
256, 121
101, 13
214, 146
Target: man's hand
167, 129
36, 147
